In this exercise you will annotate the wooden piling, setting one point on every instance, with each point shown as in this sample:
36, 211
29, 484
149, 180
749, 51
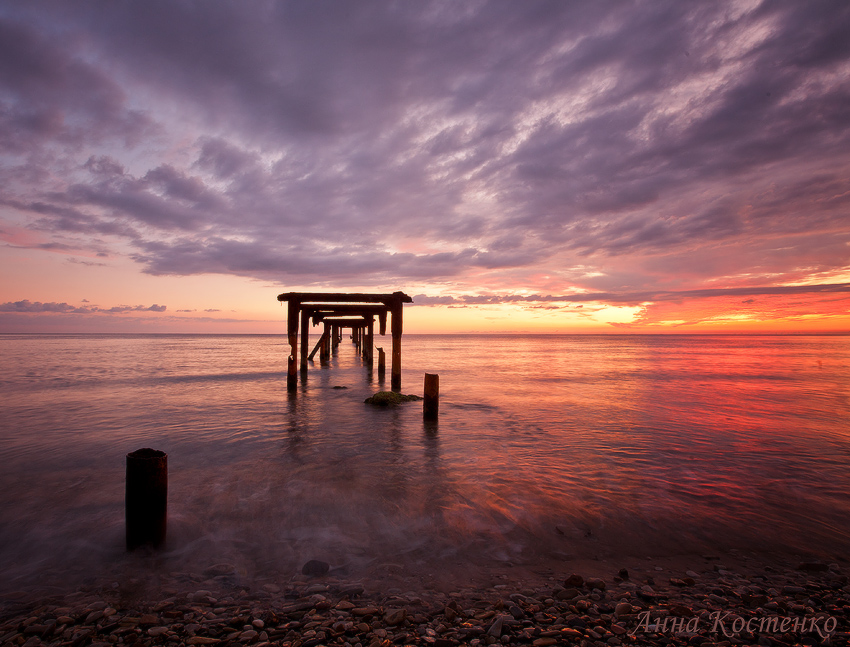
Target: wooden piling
292, 333
396, 327
146, 498
382, 363
431, 403
320, 345
369, 345
324, 353
305, 342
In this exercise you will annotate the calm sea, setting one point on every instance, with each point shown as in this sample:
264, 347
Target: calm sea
546, 447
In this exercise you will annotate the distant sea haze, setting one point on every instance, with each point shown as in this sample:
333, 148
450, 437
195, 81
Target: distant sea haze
556, 446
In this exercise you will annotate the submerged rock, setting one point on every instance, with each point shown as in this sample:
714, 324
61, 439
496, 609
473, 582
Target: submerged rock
315, 568
390, 398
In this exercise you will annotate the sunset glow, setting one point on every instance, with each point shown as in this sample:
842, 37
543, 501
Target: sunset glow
514, 167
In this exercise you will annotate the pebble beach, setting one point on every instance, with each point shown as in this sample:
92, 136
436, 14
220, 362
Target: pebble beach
708, 600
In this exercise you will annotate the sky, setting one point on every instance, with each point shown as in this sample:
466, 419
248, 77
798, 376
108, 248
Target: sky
535, 166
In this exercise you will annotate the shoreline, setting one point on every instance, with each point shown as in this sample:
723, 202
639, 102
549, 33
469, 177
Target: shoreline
583, 602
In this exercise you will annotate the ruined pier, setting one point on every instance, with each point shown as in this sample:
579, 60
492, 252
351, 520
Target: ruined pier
335, 312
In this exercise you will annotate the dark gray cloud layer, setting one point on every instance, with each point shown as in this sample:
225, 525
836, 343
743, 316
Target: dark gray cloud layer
613, 146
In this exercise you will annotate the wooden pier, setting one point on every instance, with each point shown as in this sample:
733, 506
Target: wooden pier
336, 312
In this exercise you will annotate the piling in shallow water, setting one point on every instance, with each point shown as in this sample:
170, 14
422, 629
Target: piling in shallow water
146, 497
431, 405
382, 363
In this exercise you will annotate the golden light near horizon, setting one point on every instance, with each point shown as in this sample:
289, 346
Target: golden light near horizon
498, 318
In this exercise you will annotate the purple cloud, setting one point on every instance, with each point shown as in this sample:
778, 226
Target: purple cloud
633, 298
37, 306
624, 147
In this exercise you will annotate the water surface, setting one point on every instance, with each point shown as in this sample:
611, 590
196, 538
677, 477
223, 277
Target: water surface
547, 447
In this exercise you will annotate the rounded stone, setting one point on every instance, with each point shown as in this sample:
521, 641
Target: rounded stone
315, 568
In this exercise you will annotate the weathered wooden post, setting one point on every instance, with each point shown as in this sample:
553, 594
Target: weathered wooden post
370, 343
395, 380
323, 345
382, 363
146, 497
431, 403
294, 307
305, 341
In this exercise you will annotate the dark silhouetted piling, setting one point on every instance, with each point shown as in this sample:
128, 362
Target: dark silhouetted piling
395, 329
291, 374
382, 363
431, 404
292, 336
146, 497
324, 344
369, 345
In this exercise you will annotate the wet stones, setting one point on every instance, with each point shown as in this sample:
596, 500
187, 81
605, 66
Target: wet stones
495, 629
301, 613
219, 570
595, 583
395, 617
567, 594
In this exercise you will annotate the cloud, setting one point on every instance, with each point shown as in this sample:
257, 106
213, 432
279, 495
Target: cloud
634, 298
53, 95
37, 306
617, 148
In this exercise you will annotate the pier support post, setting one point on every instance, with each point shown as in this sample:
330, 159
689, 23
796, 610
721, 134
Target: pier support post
292, 333
369, 346
431, 403
382, 363
305, 342
324, 345
396, 327
146, 497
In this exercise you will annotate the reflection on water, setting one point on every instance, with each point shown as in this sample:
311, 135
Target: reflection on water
545, 447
